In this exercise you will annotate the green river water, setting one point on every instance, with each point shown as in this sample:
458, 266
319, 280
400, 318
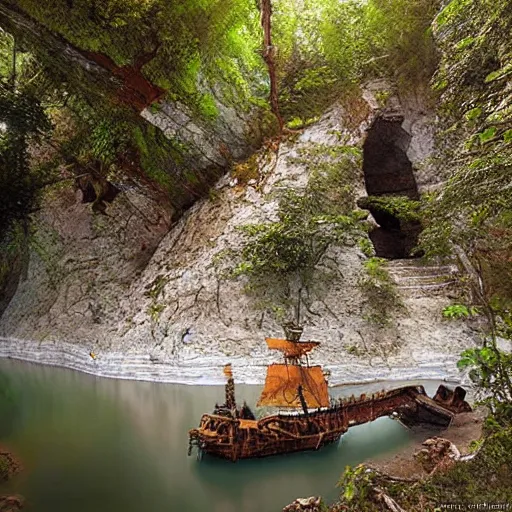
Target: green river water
98, 445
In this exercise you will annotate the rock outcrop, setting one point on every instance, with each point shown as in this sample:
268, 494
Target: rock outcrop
311, 504
11, 503
9, 465
94, 281
206, 146
438, 455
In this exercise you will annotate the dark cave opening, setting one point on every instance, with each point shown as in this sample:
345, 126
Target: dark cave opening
388, 172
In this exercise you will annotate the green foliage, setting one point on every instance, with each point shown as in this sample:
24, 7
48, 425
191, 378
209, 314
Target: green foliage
161, 159
473, 211
499, 73
487, 134
463, 483
296, 242
246, 171
355, 484
400, 207
309, 222
192, 41
108, 140
155, 288
326, 47
458, 311
21, 120
382, 299
460, 483
6, 56
473, 114
403, 39
287, 252
490, 369
367, 247
154, 311
207, 53
451, 11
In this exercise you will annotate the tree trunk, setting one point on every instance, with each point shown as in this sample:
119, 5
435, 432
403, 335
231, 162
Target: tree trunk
269, 53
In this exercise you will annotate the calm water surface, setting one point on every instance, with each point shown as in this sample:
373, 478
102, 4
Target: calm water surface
99, 445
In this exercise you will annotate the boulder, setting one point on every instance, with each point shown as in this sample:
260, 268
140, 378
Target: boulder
11, 503
312, 504
438, 454
9, 465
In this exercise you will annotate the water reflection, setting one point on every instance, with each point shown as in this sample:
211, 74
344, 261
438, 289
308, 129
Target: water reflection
98, 445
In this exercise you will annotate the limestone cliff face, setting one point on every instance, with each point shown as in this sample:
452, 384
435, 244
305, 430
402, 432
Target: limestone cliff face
127, 283
81, 262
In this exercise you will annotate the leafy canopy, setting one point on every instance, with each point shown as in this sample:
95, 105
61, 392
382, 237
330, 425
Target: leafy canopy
21, 119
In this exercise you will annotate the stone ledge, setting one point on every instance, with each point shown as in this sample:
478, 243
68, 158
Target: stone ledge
206, 371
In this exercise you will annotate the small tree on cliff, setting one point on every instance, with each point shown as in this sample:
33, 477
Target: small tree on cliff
283, 257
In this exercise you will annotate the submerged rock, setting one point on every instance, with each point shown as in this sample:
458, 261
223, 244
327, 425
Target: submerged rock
9, 466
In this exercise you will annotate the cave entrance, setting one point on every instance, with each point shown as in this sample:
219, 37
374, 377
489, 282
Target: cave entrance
388, 174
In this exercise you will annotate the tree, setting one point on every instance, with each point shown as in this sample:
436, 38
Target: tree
269, 52
283, 257
22, 119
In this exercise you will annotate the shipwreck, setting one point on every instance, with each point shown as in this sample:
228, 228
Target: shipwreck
307, 418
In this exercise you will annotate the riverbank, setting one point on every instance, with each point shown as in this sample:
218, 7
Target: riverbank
208, 370
424, 458
465, 429
446, 474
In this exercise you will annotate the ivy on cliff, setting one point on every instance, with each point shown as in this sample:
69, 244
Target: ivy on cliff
326, 48
181, 46
200, 51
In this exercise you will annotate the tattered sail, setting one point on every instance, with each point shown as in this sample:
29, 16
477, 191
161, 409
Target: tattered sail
282, 382
233, 432
291, 349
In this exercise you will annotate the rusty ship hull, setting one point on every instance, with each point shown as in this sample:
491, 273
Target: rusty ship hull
231, 437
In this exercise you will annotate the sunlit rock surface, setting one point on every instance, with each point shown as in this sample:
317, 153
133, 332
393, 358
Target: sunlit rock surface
97, 285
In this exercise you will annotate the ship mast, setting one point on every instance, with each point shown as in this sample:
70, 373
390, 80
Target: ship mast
230, 389
291, 384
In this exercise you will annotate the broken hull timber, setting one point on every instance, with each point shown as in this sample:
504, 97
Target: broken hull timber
272, 435
232, 438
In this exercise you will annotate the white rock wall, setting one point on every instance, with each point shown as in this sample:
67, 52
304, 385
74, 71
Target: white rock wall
179, 322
